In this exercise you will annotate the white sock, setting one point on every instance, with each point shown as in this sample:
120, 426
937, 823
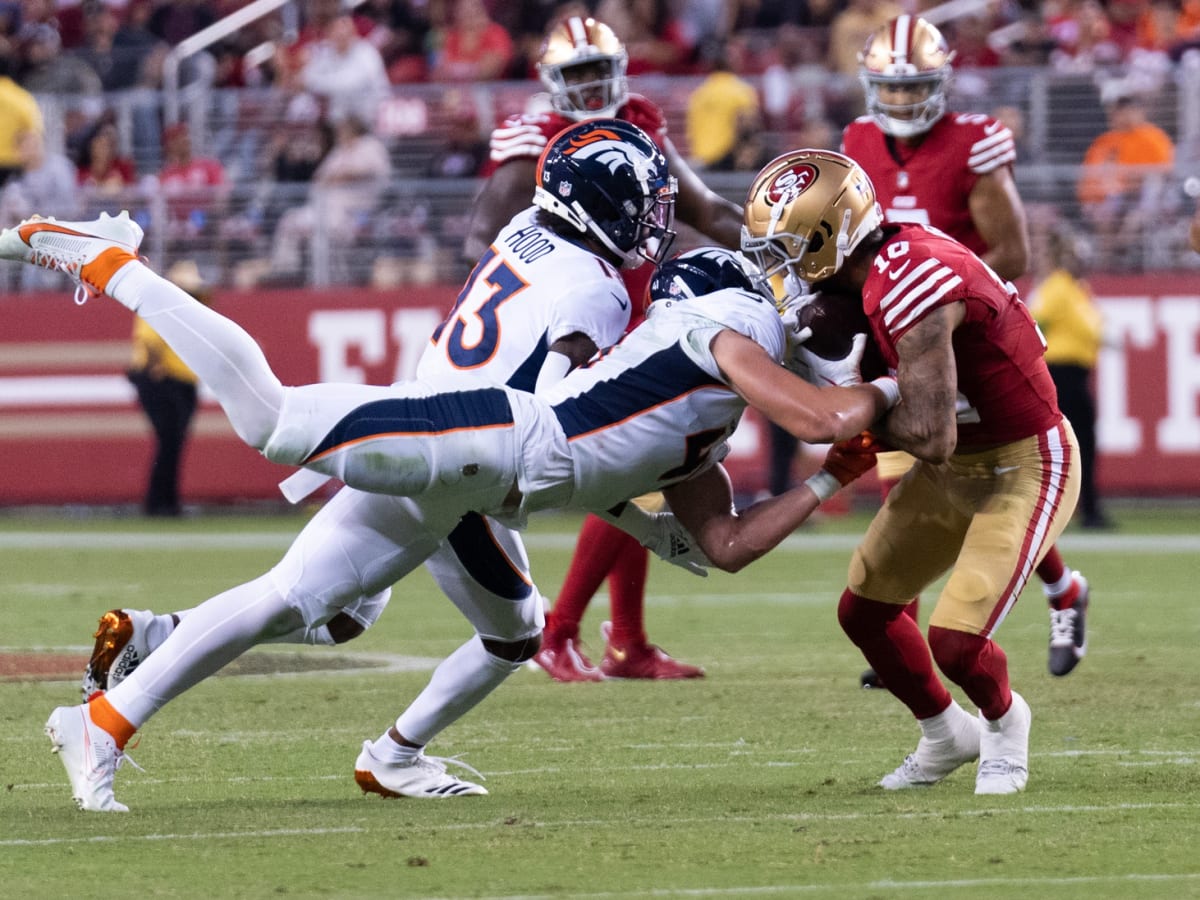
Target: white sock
458, 684
1059, 587
941, 727
388, 751
214, 633
224, 357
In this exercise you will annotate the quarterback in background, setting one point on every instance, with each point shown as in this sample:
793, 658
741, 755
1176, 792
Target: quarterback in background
953, 171
582, 68
996, 476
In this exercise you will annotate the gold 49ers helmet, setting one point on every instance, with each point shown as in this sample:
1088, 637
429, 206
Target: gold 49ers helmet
583, 67
910, 59
807, 211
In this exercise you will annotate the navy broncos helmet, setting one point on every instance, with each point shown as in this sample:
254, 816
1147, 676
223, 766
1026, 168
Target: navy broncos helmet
609, 180
703, 271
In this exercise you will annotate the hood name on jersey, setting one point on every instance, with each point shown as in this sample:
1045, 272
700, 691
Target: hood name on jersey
529, 243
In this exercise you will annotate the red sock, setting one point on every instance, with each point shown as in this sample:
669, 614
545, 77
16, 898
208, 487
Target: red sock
627, 591
894, 648
596, 553
913, 608
977, 665
1051, 568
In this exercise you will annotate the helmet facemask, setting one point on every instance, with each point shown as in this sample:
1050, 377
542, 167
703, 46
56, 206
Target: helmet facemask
904, 120
582, 66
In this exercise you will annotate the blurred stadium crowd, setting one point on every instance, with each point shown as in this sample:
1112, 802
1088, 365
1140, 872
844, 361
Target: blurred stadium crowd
328, 142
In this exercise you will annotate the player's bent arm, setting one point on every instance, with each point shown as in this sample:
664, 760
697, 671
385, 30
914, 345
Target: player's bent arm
733, 539
814, 415
925, 423
508, 191
565, 354
999, 216
701, 208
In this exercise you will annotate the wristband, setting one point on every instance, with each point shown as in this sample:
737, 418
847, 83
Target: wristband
891, 390
824, 484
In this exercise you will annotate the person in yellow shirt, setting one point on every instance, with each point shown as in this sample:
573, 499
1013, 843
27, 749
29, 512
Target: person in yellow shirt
1074, 331
19, 113
166, 390
721, 111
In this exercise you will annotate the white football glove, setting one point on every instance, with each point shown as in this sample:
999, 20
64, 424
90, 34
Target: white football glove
662, 534
823, 372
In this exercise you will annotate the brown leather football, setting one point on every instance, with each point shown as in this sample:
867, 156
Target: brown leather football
834, 319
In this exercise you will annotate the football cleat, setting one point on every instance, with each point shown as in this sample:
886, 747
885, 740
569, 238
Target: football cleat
424, 777
89, 252
563, 660
1068, 631
90, 756
121, 646
1004, 750
642, 661
934, 760
870, 679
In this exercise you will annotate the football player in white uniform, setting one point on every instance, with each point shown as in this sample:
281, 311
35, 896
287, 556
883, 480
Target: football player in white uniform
652, 414
513, 324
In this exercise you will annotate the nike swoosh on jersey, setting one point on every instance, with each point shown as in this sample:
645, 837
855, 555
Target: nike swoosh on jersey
900, 271
624, 304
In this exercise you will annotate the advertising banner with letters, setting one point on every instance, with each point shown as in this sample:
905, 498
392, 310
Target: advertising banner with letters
71, 431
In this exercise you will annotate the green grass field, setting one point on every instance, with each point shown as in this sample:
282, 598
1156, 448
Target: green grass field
758, 781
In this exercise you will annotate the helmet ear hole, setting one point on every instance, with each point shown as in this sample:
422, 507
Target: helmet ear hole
817, 241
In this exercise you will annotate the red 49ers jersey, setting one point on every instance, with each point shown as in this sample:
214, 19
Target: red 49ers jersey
525, 135
1005, 391
929, 183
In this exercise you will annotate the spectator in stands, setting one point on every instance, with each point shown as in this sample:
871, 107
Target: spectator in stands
1121, 185
180, 19
19, 113
1071, 324
722, 111
1082, 36
47, 70
401, 29
347, 188
346, 72
166, 390
46, 181
851, 28
473, 47
196, 188
103, 173
125, 54
319, 15
528, 21
654, 38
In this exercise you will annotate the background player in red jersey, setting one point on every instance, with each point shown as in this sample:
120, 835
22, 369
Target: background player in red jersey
583, 69
997, 471
952, 171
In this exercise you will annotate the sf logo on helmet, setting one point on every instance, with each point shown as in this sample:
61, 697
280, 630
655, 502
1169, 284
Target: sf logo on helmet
791, 183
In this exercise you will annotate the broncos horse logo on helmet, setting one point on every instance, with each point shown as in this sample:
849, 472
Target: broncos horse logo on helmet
703, 271
609, 180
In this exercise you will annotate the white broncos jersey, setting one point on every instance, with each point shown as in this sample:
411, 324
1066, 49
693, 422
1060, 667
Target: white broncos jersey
531, 288
656, 409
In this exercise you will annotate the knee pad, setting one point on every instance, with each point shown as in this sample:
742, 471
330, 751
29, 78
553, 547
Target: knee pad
514, 651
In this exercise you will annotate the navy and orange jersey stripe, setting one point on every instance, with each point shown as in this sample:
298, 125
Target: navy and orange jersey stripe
434, 414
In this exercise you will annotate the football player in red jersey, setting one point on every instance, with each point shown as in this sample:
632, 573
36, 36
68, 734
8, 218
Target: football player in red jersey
952, 171
583, 70
996, 476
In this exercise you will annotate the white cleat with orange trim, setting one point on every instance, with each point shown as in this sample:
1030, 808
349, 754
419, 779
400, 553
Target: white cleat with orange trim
89, 252
90, 756
423, 776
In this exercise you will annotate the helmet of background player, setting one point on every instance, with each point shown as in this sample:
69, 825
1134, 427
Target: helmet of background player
583, 67
703, 271
806, 212
905, 71
609, 180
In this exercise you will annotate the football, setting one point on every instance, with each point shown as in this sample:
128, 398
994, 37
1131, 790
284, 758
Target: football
834, 319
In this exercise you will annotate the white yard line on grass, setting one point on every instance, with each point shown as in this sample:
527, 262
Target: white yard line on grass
257, 540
